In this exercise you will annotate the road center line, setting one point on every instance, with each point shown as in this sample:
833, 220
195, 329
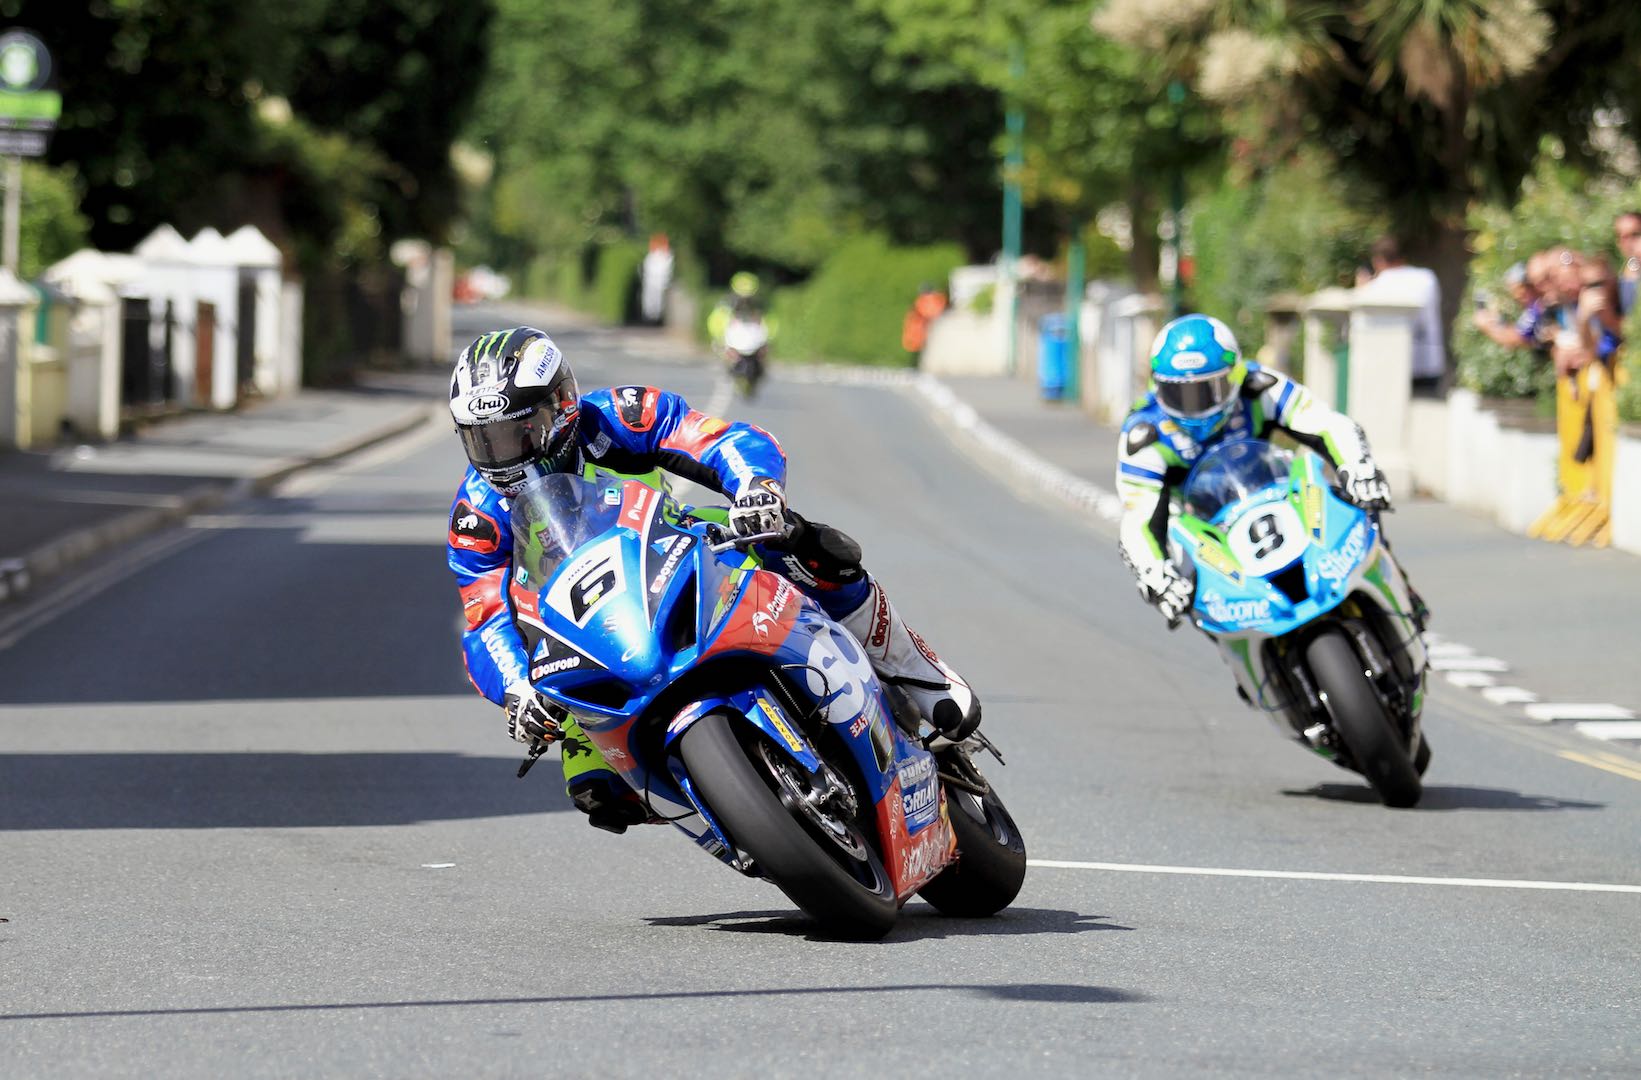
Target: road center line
1314, 875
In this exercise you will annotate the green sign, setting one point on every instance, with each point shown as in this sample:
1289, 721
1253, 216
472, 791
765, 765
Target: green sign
29, 101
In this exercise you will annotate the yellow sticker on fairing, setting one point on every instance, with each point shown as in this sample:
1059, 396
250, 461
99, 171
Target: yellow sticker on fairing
1213, 556
1313, 510
774, 715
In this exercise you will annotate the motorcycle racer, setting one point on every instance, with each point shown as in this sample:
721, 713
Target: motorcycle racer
520, 415
1203, 392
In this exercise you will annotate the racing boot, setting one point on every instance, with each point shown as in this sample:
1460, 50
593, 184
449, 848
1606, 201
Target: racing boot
597, 790
902, 659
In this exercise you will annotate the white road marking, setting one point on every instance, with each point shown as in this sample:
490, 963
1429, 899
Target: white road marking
1470, 680
1551, 711
1313, 875
1509, 695
1609, 729
718, 403
437, 865
1467, 663
1439, 647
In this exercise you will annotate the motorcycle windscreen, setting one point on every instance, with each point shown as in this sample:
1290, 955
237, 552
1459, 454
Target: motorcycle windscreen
556, 514
1231, 472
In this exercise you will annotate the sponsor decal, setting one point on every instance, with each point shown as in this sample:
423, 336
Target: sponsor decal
1189, 361
1337, 565
918, 791
473, 530
487, 404
639, 500
599, 446
922, 646
1235, 611
543, 668
501, 643
676, 552
1313, 509
738, 467
686, 716
1212, 555
538, 363
711, 426
780, 726
635, 405
880, 619
798, 572
771, 613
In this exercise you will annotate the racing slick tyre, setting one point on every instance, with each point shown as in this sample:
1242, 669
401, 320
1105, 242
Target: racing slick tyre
817, 856
1421, 760
991, 853
1360, 720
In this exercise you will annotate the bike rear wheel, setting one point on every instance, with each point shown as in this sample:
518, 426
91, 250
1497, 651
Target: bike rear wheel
1361, 721
836, 878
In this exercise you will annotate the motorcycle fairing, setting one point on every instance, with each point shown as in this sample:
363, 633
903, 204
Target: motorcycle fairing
640, 626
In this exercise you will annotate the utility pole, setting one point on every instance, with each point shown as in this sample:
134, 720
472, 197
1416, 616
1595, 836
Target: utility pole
1015, 125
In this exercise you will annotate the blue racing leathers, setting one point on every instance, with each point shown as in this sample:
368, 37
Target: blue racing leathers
629, 430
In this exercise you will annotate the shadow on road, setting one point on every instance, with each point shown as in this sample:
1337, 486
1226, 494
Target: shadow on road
262, 790
1064, 993
1451, 797
918, 922
254, 614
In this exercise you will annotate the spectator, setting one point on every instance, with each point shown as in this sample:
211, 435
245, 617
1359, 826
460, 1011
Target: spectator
1522, 281
654, 277
1627, 231
1429, 350
1596, 313
914, 331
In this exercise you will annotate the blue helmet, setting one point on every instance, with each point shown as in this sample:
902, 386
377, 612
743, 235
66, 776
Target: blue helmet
1196, 373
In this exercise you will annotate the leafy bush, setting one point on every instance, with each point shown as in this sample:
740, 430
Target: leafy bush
615, 281
51, 226
1294, 229
852, 308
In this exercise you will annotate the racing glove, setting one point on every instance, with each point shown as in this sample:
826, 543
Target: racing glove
1364, 485
1164, 588
531, 718
759, 509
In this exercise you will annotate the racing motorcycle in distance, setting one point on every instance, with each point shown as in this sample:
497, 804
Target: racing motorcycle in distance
746, 347
1293, 586
744, 716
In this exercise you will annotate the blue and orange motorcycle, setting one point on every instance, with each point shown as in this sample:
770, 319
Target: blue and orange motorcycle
745, 716
1295, 586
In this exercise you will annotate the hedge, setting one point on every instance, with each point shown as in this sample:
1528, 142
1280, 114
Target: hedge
853, 306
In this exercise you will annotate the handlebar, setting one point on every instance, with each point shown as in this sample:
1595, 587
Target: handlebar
726, 542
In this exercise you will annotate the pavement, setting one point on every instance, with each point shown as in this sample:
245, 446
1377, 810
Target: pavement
71, 504
256, 823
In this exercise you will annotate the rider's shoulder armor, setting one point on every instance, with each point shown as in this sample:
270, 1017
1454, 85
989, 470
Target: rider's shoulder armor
1257, 381
1139, 436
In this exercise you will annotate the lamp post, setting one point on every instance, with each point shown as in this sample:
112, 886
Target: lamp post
1014, 122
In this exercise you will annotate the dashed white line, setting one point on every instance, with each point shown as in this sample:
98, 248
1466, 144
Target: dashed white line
1609, 729
1315, 875
1467, 663
1470, 680
1508, 695
1551, 711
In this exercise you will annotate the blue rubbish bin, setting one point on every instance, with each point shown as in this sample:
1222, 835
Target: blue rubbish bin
1053, 356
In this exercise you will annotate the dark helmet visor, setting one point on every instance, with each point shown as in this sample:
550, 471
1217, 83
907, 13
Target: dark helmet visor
1190, 398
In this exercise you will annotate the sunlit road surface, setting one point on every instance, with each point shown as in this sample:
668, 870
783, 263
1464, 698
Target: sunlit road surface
254, 822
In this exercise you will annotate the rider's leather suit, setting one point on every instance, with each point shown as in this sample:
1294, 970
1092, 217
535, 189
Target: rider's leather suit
631, 431
1154, 456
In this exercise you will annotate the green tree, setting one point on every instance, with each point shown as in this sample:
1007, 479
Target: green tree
1431, 104
750, 132
1101, 130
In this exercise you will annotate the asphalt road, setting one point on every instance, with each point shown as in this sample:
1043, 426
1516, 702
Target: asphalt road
253, 822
